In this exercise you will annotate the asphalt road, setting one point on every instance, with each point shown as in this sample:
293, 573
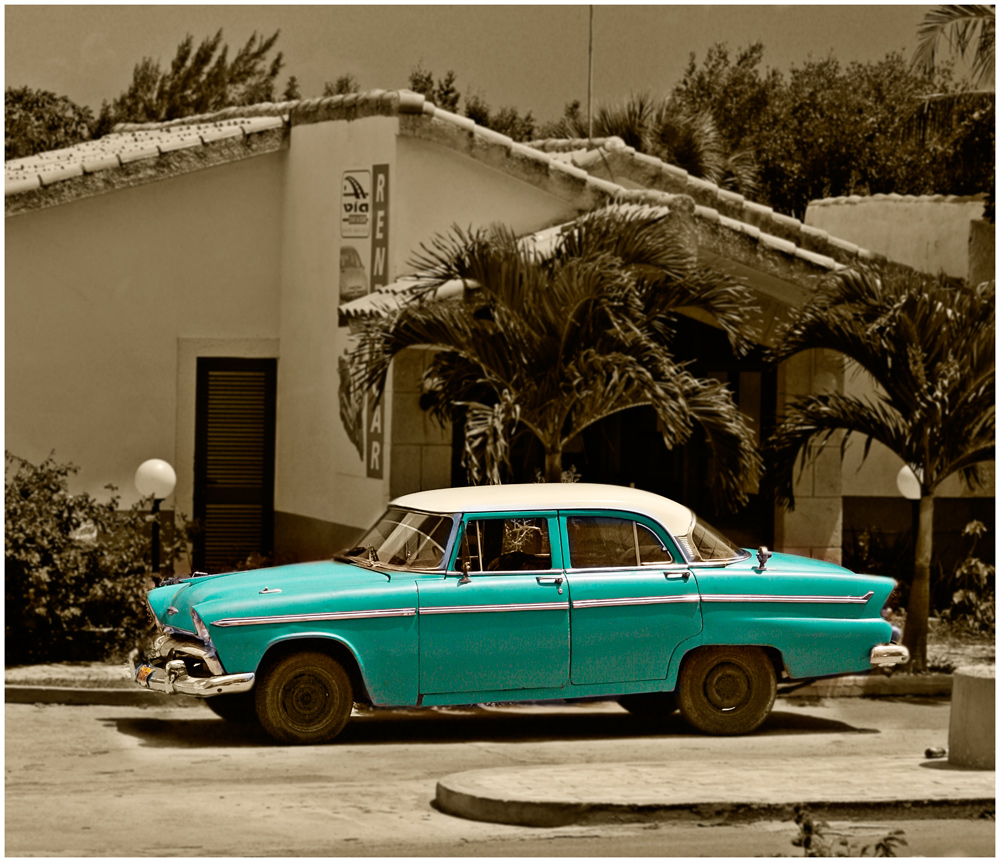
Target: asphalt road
168, 781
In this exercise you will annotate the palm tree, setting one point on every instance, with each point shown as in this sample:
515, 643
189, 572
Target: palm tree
968, 29
550, 342
971, 32
668, 131
929, 349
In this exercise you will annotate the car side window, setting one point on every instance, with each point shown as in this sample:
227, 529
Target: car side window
509, 545
607, 543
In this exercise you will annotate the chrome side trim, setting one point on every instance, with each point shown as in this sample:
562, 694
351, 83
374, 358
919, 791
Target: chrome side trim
493, 609
822, 600
638, 600
313, 618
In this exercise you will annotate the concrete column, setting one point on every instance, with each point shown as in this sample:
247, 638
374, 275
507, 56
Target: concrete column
814, 528
972, 725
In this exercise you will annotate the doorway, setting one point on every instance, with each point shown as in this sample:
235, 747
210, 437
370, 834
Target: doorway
234, 461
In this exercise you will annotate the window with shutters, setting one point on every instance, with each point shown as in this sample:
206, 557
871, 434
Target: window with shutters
234, 461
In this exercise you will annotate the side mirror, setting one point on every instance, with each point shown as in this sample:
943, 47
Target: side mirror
763, 555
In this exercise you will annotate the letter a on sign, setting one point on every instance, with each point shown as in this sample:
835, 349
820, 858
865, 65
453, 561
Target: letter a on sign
375, 440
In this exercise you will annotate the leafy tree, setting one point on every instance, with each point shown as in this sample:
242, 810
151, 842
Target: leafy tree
291, 91
344, 85
507, 121
733, 91
443, 94
37, 120
199, 80
831, 130
929, 348
550, 343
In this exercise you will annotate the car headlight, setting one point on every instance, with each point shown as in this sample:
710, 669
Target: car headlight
201, 628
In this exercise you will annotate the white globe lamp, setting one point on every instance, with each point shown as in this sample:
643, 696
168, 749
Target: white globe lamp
157, 479
908, 483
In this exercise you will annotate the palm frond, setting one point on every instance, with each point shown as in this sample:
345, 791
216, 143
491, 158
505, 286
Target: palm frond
970, 27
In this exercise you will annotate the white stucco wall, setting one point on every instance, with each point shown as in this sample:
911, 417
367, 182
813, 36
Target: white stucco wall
100, 291
931, 233
319, 473
438, 188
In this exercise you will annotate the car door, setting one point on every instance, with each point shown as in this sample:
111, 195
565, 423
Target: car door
505, 626
633, 597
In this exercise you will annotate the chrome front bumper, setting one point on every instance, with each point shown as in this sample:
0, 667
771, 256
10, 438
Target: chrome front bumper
885, 655
171, 676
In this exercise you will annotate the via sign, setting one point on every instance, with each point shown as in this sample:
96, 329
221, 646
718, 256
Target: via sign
355, 204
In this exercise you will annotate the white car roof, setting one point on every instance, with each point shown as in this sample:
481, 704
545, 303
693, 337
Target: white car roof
552, 495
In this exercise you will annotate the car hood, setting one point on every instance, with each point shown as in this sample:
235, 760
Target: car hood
262, 592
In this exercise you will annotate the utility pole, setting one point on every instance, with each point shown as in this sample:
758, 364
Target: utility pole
590, 80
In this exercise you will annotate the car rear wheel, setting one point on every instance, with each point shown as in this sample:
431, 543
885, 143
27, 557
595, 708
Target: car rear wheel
657, 704
239, 708
727, 690
304, 698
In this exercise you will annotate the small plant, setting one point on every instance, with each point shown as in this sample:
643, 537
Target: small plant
816, 838
973, 585
76, 568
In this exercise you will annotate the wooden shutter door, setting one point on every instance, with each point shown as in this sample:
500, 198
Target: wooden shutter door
234, 461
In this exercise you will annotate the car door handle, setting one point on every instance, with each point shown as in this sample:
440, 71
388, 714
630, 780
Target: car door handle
677, 576
555, 581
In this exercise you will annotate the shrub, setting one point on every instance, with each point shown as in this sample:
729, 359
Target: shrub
973, 588
76, 568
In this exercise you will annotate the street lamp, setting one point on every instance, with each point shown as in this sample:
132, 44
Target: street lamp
155, 478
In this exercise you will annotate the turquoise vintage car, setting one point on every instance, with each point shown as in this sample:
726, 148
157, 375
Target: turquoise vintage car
515, 593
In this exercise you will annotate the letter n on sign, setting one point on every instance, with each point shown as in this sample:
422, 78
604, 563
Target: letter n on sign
375, 436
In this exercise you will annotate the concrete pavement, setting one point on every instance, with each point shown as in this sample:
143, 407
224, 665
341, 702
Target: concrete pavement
871, 782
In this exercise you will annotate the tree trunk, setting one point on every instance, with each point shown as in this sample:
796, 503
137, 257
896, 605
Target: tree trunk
553, 465
919, 606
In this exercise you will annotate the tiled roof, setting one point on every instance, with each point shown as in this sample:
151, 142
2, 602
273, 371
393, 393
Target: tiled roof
127, 146
575, 170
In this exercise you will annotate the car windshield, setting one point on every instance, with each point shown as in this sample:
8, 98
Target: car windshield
705, 544
413, 540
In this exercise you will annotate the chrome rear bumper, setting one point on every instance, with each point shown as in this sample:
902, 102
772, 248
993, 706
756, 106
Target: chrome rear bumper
173, 678
884, 655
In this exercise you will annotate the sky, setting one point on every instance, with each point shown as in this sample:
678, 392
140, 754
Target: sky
533, 58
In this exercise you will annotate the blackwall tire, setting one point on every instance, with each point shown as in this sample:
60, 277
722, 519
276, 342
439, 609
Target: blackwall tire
304, 699
238, 708
654, 705
727, 690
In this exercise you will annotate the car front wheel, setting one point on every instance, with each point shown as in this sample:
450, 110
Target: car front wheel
727, 690
304, 698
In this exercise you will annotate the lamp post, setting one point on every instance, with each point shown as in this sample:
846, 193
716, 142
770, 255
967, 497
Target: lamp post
157, 478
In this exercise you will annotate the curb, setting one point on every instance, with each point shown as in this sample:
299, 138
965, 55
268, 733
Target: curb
549, 796
73, 696
875, 685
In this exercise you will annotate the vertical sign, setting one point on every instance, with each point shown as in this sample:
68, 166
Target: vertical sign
375, 439
380, 223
